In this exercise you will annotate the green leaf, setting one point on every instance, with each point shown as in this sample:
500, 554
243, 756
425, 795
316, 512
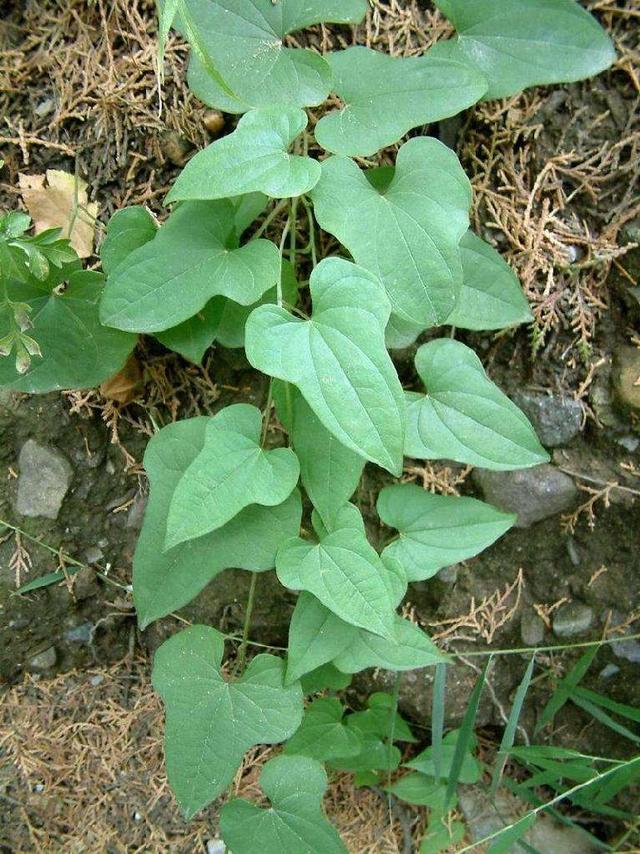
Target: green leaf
504, 841
509, 734
465, 739
330, 472
408, 649
437, 530
316, 636
491, 296
565, 688
211, 723
252, 159
294, 823
165, 581
47, 580
222, 320
381, 717
408, 234
243, 41
375, 755
522, 43
77, 350
464, 416
385, 97
127, 230
193, 257
441, 835
345, 573
231, 472
325, 678
470, 770
338, 360
323, 734
418, 789
168, 12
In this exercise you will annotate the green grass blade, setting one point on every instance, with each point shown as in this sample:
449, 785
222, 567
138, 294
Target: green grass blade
46, 580
564, 689
605, 719
465, 735
509, 734
437, 716
600, 700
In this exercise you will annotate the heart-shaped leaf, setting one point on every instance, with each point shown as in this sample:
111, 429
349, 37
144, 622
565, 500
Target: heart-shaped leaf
210, 722
330, 472
252, 159
243, 43
375, 755
407, 233
127, 230
316, 636
193, 257
231, 472
521, 43
338, 359
323, 734
464, 416
295, 822
437, 530
76, 350
491, 295
165, 581
345, 573
381, 718
421, 790
384, 97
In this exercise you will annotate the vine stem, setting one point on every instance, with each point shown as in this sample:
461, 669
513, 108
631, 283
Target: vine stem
270, 217
242, 651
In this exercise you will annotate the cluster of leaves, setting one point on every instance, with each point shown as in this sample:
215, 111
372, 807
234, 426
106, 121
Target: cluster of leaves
220, 497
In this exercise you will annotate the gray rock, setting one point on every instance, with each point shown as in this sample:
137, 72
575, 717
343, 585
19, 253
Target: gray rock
484, 818
85, 584
629, 443
448, 574
45, 476
136, 512
44, 660
215, 846
557, 419
531, 629
626, 377
572, 619
609, 670
627, 649
534, 494
79, 634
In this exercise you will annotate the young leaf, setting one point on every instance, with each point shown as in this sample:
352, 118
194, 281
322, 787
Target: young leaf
441, 834
437, 530
418, 789
345, 573
231, 472
243, 41
491, 295
408, 234
381, 717
252, 159
193, 257
211, 723
77, 351
384, 97
127, 230
323, 734
521, 43
409, 648
295, 822
330, 472
338, 360
325, 678
316, 636
464, 416
375, 755
165, 581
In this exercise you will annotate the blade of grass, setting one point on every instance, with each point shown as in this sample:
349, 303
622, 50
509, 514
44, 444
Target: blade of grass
508, 737
47, 580
600, 700
465, 735
437, 716
605, 719
564, 688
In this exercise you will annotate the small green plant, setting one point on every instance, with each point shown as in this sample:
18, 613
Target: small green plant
221, 496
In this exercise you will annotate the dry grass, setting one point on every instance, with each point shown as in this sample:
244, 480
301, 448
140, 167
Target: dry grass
83, 772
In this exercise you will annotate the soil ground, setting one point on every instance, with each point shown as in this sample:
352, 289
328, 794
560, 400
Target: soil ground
555, 173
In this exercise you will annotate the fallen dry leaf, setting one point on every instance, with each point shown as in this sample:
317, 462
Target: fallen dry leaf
61, 203
124, 386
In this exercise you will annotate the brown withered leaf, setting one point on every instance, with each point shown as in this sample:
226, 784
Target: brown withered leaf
124, 386
59, 200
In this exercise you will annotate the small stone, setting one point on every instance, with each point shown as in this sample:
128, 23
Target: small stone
572, 619
137, 816
534, 493
38, 788
136, 512
557, 418
96, 680
214, 122
44, 108
175, 147
531, 629
629, 443
609, 670
215, 846
448, 574
85, 583
573, 551
45, 477
626, 377
79, 634
44, 660
627, 649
